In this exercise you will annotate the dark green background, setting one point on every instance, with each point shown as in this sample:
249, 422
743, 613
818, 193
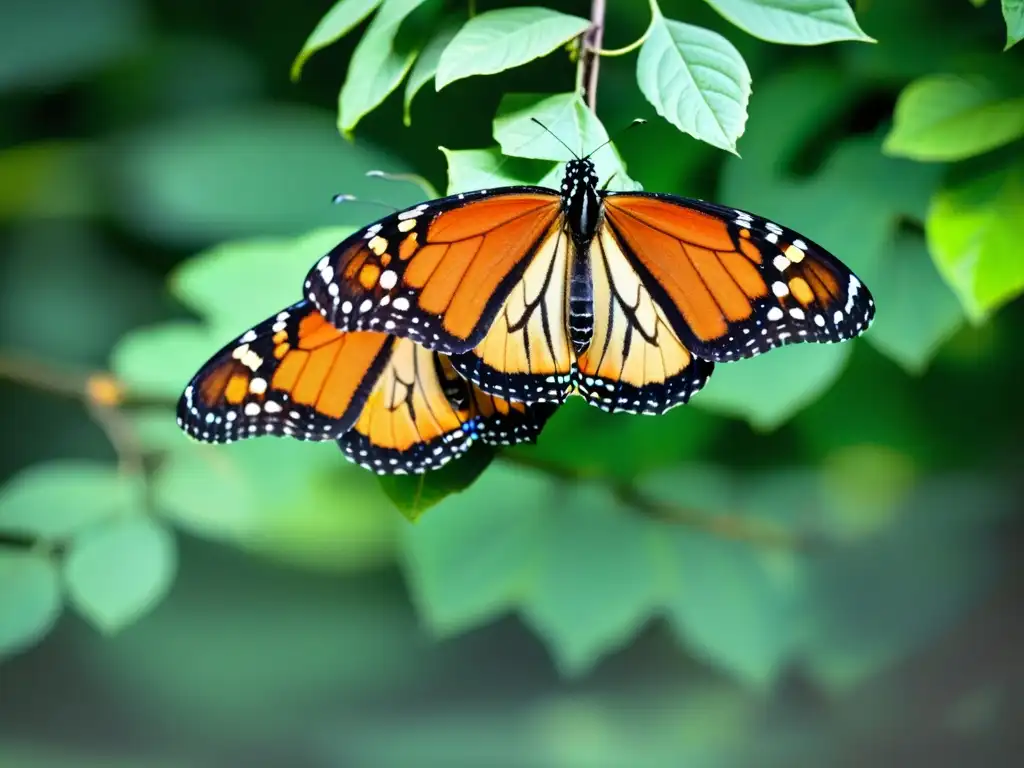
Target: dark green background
138, 133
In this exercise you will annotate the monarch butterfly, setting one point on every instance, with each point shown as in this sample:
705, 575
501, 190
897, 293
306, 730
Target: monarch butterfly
628, 298
393, 406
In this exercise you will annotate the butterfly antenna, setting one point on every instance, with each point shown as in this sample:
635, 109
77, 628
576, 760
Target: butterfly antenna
412, 178
636, 122
341, 197
538, 122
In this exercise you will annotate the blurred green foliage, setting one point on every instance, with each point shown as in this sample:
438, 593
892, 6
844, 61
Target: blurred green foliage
798, 569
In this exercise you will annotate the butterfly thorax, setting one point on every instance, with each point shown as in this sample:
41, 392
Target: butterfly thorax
582, 207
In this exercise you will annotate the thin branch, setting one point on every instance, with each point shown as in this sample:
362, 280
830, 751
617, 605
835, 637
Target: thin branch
589, 59
726, 526
655, 15
49, 378
101, 394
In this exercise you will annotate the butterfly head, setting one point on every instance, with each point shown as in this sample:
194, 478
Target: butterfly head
579, 197
579, 174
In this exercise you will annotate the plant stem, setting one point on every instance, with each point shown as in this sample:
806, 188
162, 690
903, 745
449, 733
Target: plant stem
118, 428
82, 386
655, 15
724, 526
590, 45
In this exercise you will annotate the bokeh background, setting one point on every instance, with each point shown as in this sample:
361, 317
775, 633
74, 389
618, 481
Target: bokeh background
816, 563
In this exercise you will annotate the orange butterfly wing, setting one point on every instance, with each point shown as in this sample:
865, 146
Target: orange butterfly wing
733, 285
437, 273
636, 362
421, 415
526, 354
291, 375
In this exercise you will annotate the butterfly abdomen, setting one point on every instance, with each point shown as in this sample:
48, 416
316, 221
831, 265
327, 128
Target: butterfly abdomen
581, 305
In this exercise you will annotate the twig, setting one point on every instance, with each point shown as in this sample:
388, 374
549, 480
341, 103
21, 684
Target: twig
589, 48
724, 526
43, 376
101, 394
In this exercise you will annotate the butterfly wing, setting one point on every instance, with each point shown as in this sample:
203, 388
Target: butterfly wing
500, 421
293, 374
526, 354
636, 362
421, 415
730, 284
437, 273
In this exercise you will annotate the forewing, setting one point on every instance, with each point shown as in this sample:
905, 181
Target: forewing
436, 273
293, 374
526, 355
732, 284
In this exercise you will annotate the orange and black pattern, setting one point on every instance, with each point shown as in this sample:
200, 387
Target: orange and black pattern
292, 375
392, 406
421, 415
439, 272
734, 285
474, 316
627, 299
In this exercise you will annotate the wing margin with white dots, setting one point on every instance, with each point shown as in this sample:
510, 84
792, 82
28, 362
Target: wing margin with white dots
292, 375
438, 272
635, 362
421, 415
734, 285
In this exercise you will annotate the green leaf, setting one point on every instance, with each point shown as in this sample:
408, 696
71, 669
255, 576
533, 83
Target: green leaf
839, 610
768, 390
946, 117
344, 16
470, 560
379, 63
1013, 13
494, 41
272, 270
159, 361
565, 116
973, 236
257, 171
587, 440
425, 68
586, 570
921, 312
796, 22
301, 503
597, 578
586, 576
471, 169
697, 80
106, 31
415, 494
55, 500
735, 605
29, 599
119, 571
